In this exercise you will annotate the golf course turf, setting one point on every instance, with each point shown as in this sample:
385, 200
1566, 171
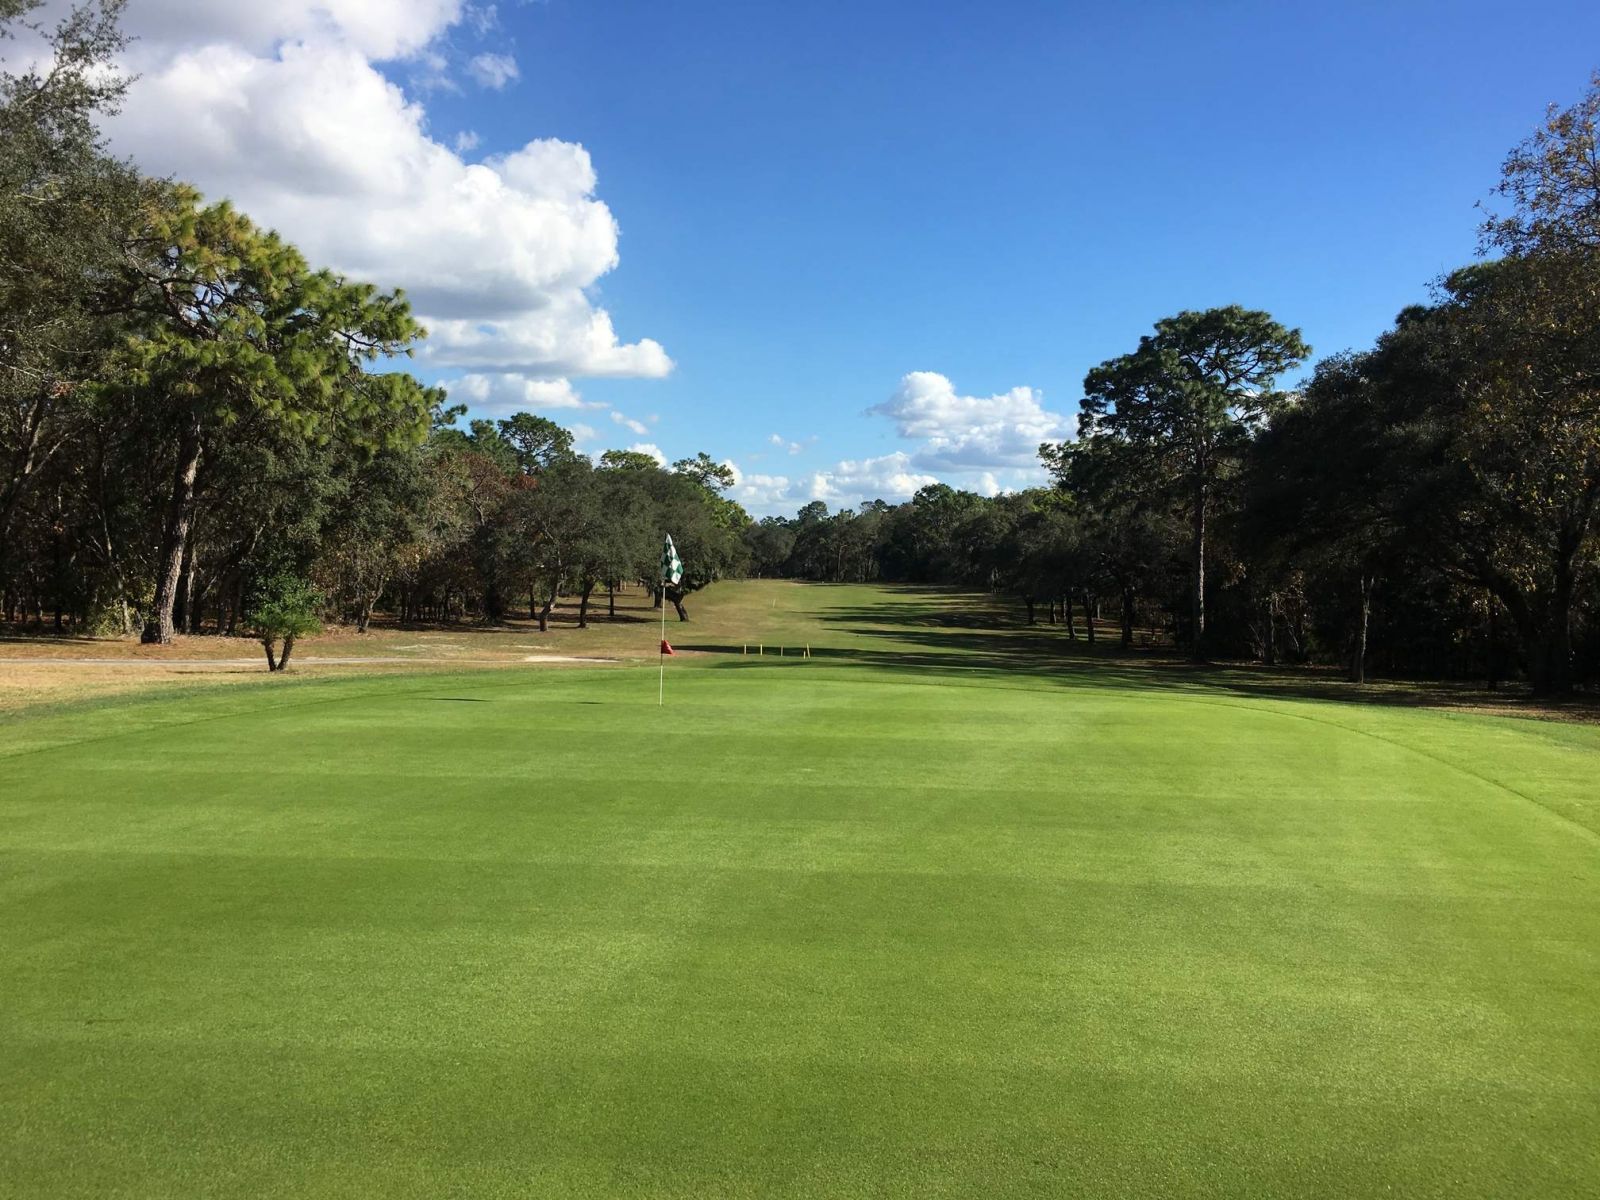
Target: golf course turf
911, 917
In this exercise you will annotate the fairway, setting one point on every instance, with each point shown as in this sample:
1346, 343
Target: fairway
935, 912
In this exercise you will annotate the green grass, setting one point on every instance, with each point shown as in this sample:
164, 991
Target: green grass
938, 912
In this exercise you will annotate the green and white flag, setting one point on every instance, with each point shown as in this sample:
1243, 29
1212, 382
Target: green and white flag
671, 564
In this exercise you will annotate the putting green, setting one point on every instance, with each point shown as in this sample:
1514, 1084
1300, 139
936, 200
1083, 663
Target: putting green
816, 928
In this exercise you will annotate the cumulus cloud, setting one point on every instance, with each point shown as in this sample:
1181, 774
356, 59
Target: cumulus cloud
628, 423
986, 444
888, 477
378, 29
465, 142
493, 71
282, 107
650, 448
507, 393
762, 494
970, 433
845, 484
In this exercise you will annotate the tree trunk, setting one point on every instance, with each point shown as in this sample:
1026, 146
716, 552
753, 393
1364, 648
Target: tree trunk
1088, 616
1066, 616
1358, 657
1198, 600
288, 649
677, 602
180, 512
25, 462
1546, 627
185, 596
583, 604
1127, 616
1492, 663
1551, 646
611, 600
1269, 653
272, 661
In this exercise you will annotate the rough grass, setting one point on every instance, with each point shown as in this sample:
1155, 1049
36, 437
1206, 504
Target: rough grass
927, 914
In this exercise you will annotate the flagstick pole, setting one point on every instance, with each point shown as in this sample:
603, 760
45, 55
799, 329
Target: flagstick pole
661, 652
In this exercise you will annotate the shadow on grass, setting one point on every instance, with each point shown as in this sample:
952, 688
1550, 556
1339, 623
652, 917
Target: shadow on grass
925, 629
25, 636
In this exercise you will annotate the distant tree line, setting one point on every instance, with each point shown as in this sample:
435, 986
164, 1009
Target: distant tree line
1426, 507
199, 430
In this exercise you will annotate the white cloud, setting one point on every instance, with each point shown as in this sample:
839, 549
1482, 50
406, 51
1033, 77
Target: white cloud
887, 477
493, 71
629, 423
760, 494
650, 448
970, 433
281, 107
465, 142
483, 18
378, 29
986, 444
511, 392
763, 494
845, 484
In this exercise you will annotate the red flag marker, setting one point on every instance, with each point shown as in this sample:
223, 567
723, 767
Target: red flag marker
666, 647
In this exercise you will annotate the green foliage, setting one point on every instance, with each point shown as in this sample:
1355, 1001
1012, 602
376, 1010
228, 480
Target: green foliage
1198, 380
239, 328
1551, 185
706, 471
627, 460
284, 605
538, 442
1187, 401
66, 209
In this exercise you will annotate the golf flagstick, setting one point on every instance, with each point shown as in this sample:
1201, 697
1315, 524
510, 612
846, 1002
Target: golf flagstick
671, 572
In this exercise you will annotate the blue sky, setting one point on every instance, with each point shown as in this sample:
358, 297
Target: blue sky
816, 200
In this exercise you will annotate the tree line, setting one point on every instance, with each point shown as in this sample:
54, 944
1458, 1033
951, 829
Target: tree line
201, 430
1427, 505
